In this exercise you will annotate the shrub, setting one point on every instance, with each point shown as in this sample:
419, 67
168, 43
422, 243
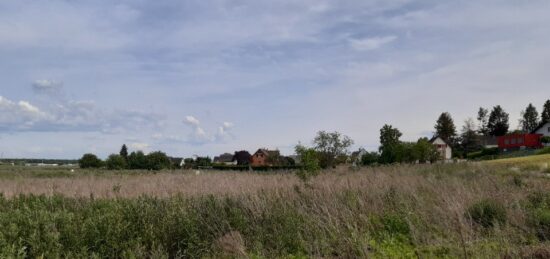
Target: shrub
158, 161
543, 151
310, 162
545, 140
90, 161
370, 158
115, 162
487, 213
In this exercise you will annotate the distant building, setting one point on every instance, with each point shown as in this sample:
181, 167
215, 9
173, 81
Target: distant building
226, 159
242, 157
543, 129
519, 141
445, 151
264, 157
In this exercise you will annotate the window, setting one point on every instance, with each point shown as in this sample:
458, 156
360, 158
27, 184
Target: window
520, 141
548, 129
513, 141
506, 142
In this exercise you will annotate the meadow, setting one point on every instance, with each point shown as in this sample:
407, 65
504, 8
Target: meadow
488, 209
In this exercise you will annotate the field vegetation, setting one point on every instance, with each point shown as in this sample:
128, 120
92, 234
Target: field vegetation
470, 210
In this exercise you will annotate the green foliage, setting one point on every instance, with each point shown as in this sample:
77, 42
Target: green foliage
546, 112
124, 152
137, 160
543, 151
158, 161
487, 213
424, 151
445, 128
309, 162
389, 142
90, 161
530, 119
370, 158
469, 140
540, 220
330, 146
115, 162
483, 121
203, 162
545, 140
498, 122
484, 153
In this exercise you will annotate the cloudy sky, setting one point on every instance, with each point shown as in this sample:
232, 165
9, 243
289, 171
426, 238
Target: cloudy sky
208, 76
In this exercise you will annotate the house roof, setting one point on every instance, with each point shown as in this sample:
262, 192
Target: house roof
226, 157
267, 152
540, 127
437, 137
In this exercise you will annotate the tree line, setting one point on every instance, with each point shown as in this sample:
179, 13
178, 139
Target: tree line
136, 160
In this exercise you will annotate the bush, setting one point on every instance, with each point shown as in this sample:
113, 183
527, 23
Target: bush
487, 213
90, 161
158, 161
137, 160
543, 151
115, 162
545, 140
370, 158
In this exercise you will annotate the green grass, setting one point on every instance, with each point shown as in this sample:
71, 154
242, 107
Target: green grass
423, 211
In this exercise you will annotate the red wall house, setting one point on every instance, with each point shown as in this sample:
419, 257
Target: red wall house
519, 141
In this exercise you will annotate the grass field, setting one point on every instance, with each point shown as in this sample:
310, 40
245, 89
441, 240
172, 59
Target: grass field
490, 209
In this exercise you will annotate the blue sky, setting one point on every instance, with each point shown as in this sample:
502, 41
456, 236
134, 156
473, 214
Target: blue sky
209, 76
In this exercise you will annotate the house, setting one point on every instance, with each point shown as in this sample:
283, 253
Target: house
543, 129
445, 151
519, 141
225, 159
264, 157
242, 157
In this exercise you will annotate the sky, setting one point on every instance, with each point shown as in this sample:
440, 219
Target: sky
211, 76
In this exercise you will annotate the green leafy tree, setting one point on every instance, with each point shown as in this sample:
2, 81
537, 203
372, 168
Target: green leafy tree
425, 151
405, 152
90, 161
498, 122
445, 128
137, 160
530, 119
309, 162
546, 112
189, 163
469, 140
203, 161
115, 162
158, 161
389, 141
483, 121
124, 152
330, 146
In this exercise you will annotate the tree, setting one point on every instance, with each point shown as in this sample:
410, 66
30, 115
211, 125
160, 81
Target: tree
370, 158
483, 120
115, 162
530, 119
90, 161
158, 161
124, 152
546, 112
498, 122
137, 160
203, 161
331, 145
445, 128
309, 162
389, 140
469, 140
424, 151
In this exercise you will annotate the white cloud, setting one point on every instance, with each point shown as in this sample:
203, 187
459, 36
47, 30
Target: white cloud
48, 86
371, 43
140, 146
190, 120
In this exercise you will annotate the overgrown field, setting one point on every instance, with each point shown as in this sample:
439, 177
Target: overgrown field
476, 210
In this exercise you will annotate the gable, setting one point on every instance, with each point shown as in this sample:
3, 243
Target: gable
543, 129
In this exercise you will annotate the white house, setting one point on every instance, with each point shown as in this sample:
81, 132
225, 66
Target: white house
543, 129
444, 149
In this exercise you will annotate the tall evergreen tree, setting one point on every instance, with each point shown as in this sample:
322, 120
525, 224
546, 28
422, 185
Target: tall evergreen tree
445, 128
546, 112
530, 119
483, 120
124, 152
498, 122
